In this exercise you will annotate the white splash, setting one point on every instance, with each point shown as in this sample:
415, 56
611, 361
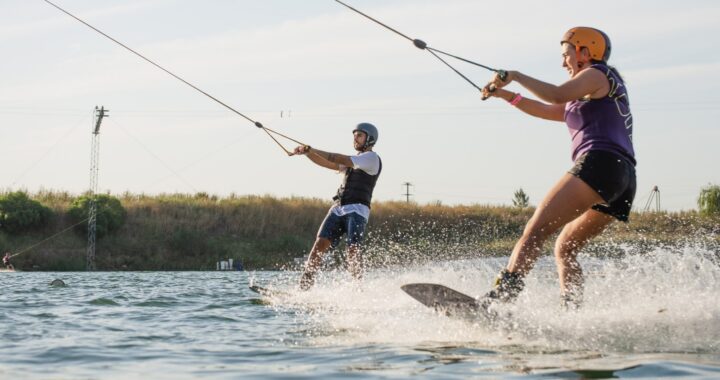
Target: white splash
664, 301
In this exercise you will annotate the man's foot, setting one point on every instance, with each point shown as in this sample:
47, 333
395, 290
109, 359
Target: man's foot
307, 280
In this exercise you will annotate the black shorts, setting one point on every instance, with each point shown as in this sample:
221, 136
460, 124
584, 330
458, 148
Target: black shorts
612, 176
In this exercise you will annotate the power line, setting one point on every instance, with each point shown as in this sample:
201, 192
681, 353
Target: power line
156, 157
176, 172
47, 152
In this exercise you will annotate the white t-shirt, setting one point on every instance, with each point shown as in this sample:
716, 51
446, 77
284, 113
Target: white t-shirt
369, 162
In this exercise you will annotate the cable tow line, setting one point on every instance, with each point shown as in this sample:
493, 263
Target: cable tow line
48, 238
422, 45
26, 249
256, 123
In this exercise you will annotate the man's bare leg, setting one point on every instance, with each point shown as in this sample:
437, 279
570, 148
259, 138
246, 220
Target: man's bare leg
314, 262
355, 261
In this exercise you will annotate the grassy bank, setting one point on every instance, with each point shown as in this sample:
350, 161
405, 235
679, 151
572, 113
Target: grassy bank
193, 232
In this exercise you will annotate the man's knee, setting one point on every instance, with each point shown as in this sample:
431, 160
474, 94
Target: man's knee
321, 244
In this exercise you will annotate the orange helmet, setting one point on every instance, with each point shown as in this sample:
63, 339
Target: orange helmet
597, 42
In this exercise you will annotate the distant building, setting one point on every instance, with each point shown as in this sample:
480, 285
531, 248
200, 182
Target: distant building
230, 264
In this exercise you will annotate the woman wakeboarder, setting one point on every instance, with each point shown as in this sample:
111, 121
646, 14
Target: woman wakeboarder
600, 187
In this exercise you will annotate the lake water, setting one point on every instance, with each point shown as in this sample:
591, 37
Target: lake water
647, 316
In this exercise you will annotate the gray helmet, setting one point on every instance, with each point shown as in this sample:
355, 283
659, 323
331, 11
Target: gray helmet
370, 131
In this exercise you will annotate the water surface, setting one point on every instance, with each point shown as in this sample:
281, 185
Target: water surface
646, 316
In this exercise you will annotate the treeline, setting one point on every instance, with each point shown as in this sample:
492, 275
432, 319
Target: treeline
193, 232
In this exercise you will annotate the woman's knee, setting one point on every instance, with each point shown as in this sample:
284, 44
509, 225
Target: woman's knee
565, 241
564, 258
565, 246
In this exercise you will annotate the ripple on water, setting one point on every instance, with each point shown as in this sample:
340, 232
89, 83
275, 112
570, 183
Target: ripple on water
152, 337
159, 302
44, 315
103, 302
212, 318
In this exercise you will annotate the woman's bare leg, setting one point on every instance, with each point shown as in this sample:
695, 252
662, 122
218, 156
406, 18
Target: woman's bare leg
572, 239
567, 200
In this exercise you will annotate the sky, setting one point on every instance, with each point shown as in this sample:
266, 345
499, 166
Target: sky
313, 69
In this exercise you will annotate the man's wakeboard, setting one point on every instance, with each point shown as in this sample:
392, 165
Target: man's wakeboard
267, 292
448, 301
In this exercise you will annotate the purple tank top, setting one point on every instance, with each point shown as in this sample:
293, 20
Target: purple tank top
602, 124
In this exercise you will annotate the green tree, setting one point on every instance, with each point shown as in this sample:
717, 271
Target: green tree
521, 199
110, 213
19, 213
709, 200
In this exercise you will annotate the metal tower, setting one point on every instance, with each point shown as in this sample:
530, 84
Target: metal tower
407, 191
92, 211
654, 195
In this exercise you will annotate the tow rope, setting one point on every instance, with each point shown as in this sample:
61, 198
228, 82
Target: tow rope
256, 123
20, 252
422, 45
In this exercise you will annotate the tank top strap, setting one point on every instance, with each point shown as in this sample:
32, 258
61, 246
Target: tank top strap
617, 85
605, 69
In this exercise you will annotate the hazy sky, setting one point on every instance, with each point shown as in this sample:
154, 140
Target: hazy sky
328, 69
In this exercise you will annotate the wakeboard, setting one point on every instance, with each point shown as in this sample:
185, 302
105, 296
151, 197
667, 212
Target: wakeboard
448, 301
267, 292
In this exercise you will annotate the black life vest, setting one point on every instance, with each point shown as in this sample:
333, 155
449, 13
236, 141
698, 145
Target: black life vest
357, 187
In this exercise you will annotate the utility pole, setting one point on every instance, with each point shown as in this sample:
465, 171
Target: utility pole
407, 191
92, 212
654, 194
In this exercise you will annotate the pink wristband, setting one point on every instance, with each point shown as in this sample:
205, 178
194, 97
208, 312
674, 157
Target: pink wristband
516, 99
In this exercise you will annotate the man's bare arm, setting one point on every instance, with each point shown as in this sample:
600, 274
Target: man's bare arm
335, 158
323, 162
328, 160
